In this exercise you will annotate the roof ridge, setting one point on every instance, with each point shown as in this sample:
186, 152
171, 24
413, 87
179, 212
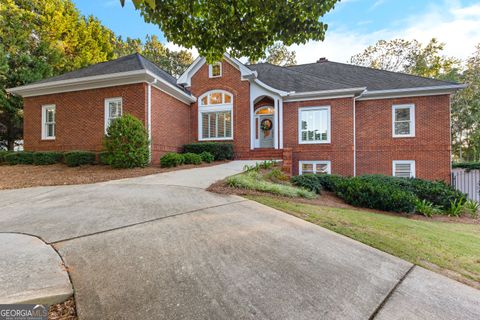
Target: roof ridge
139, 58
373, 69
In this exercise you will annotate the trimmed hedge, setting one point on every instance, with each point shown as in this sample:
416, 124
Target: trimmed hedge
220, 151
383, 192
467, 165
207, 157
47, 157
21, 157
171, 159
3, 153
104, 158
192, 158
78, 158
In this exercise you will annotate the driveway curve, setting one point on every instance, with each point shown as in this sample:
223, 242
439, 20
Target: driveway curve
161, 247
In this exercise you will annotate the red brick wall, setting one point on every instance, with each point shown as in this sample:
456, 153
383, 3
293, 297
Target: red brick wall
340, 149
79, 117
170, 124
430, 148
231, 82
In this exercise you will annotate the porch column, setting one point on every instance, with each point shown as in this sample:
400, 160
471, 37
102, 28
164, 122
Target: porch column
252, 126
280, 120
275, 124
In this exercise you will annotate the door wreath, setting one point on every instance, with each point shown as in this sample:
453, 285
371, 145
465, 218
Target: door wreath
266, 125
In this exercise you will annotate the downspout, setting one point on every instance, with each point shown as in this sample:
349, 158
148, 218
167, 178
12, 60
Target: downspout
149, 119
354, 138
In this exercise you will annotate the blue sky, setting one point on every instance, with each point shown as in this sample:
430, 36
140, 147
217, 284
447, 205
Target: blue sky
353, 25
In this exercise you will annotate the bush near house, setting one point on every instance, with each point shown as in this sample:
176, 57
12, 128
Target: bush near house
467, 165
192, 158
78, 158
207, 157
3, 153
171, 159
21, 157
386, 193
127, 143
47, 157
220, 151
104, 158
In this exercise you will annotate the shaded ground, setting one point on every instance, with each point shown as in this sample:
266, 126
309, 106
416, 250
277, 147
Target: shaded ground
63, 311
452, 249
24, 176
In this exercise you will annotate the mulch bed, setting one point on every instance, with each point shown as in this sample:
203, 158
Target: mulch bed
24, 176
63, 311
328, 199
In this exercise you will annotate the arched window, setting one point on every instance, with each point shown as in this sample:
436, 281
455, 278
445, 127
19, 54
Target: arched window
215, 112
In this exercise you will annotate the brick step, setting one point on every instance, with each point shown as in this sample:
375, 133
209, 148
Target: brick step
261, 154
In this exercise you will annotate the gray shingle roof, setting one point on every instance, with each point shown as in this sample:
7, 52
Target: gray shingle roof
327, 75
133, 62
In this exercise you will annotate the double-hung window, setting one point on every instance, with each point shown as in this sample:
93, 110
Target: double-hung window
113, 110
403, 168
314, 167
215, 111
314, 125
48, 122
403, 120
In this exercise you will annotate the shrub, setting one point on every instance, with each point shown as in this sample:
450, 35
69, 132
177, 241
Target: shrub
127, 143
192, 158
472, 207
207, 157
22, 157
317, 182
49, 157
266, 164
277, 175
381, 196
220, 151
78, 158
171, 159
104, 158
253, 181
467, 165
3, 153
456, 207
426, 208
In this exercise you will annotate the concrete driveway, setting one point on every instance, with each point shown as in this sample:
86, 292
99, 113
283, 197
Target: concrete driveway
161, 247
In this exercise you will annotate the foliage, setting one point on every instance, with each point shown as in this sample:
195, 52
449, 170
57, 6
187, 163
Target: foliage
244, 28
78, 158
472, 207
221, 151
171, 159
409, 56
266, 164
456, 207
317, 182
207, 157
192, 158
279, 54
452, 246
252, 180
127, 143
277, 175
48, 157
104, 158
466, 165
3, 153
22, 157
426, 208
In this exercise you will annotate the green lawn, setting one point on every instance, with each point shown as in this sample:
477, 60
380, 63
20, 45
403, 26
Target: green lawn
450, 246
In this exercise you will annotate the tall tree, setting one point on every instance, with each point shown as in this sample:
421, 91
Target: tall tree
279, 55
243, 28
409, 56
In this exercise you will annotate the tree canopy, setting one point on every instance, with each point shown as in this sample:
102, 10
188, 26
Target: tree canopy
241, 28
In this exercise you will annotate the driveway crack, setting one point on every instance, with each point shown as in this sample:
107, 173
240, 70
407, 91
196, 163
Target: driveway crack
143, 222
390, 293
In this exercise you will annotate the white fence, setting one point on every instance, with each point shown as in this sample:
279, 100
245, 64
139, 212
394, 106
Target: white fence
468, 182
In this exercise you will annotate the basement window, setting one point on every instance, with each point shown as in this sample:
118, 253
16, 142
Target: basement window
314, 167
404, 168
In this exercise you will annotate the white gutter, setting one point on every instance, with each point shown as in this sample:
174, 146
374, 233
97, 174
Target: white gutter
292, 96
405, 92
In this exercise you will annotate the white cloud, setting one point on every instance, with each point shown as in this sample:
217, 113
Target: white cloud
457, 26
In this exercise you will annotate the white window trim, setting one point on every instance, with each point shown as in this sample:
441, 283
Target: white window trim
107, 111
410, 162
214, 108
328, 163
411, 107
44, 119
210, 70
329, 125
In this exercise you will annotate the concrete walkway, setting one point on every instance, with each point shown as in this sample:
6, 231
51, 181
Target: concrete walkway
161, 247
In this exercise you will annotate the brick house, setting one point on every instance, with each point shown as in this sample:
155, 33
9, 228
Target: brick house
320, 117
